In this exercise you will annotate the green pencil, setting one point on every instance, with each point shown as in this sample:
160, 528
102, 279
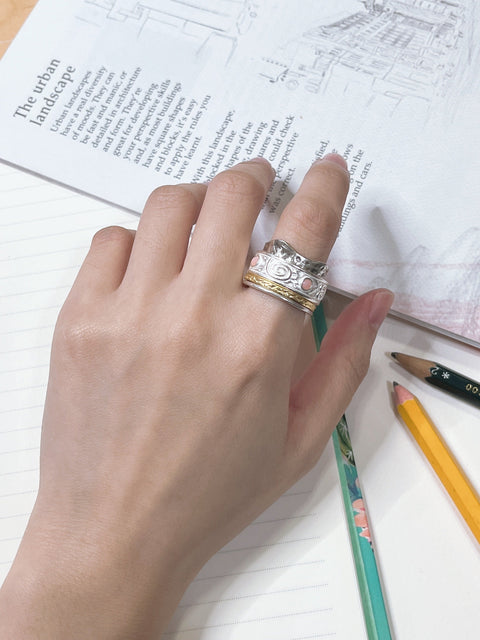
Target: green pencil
373, 603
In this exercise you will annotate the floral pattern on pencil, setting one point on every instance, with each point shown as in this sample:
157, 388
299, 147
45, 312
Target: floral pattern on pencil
354, 491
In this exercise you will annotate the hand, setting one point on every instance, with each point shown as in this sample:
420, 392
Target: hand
171, 419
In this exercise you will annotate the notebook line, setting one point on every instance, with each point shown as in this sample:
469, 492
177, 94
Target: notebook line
272, 544
34, 328
4, 453
14, 389
254, 595
40, 272
30, 348
23, 187
317, 637
46, 218
32, 310
90, 228
18, 471
304, 515
41, 254
39, 202
15, 515
241, 573
32, 291
295, 493
18, 493
250, 620
30, 408
35, 366
15, 539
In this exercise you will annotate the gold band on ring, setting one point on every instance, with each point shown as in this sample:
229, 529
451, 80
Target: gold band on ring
269, 286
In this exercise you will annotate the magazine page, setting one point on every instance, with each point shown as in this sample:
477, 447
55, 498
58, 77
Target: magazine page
115, 97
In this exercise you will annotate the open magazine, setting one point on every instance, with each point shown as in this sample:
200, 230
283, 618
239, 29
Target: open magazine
114, 97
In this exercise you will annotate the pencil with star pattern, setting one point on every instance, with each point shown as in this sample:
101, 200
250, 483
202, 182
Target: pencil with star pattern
440, 376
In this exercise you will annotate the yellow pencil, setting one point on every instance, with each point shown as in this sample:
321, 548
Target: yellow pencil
439, 456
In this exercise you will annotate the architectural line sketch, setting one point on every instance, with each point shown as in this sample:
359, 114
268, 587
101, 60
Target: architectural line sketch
394, 49
444, 305
210, 27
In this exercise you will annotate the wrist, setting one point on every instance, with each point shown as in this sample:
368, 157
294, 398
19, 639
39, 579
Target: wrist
62, 586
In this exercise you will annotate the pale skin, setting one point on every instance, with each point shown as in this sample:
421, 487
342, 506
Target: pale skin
172, 418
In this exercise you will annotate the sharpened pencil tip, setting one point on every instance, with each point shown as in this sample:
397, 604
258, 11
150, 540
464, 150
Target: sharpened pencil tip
394, 354
395, 384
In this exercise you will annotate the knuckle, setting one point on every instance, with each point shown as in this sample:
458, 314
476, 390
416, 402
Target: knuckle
336, 183
238, 184
306, 211
182, 335
250, 361
334, 174
315, 218
76, 336
357, 364
173, 196
86, 331
253, 364
190, 337
113, 234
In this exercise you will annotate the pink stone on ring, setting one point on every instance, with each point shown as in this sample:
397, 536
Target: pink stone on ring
307, 284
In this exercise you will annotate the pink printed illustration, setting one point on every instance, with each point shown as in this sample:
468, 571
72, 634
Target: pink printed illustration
360, 519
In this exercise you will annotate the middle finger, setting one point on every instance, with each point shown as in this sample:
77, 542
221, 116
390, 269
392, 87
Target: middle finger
310, 224
222, 235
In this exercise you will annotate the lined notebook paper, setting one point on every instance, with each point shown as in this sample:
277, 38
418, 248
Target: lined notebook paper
45, 231
288, 576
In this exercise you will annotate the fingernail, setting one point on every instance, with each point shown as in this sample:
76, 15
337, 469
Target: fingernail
336, 158
380, 306
262, 160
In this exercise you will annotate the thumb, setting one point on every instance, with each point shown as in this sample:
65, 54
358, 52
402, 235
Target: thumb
319, 399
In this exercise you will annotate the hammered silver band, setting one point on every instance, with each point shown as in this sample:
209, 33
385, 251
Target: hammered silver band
281, 271
284, 250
